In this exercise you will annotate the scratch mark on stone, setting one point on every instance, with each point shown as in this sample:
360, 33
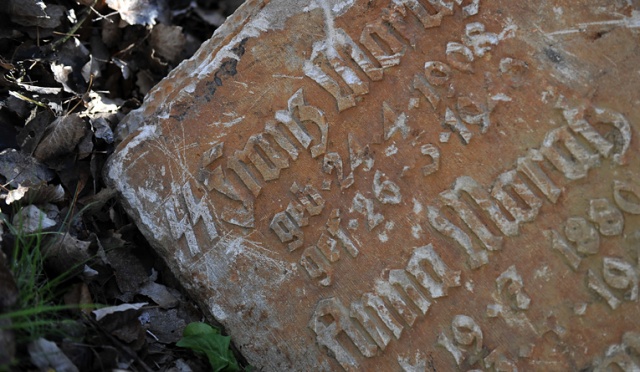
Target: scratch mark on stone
628, 22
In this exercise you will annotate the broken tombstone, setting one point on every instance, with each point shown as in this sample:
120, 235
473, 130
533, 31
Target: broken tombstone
398, 185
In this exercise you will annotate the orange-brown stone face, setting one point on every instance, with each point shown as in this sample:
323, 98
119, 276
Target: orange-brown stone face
403, 184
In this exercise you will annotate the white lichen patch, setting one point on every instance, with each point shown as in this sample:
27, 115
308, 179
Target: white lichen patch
417, 206
383, 237
542, 273
468, 285
416, 230
391, 150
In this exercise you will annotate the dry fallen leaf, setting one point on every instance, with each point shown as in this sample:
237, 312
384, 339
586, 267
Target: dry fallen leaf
45, 194
31, 219
168, 41
34, 13
159, 294
20, 169
165, 325
137, 12
68, 64
102, 312
64, 252
47, 356
15, 194
61, 137
100, 104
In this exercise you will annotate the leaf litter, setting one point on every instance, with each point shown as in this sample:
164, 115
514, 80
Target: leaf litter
70, 70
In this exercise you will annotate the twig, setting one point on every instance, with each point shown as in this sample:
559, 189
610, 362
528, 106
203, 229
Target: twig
85, 15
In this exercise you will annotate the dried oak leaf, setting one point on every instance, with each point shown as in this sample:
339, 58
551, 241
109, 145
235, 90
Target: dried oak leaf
15, 194
129, 272
122, 322
137, 12
68, 65
66, 251
168, 41
45, 194
35, 13
31, 134
46, 355
31, 219
159, 294
165, 325
20, 169
99, 105
61, 137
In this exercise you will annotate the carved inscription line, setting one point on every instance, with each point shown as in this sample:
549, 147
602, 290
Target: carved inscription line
386, 39
571, 137
263, 157
395, 303
581, 239
261, 160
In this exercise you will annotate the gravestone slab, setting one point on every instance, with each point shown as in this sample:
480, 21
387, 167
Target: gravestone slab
403, 184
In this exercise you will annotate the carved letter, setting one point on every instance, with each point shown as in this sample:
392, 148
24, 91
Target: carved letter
400, 279
287, 226
327, 246
580, 160
481, 197
608, 218
333, 161
199, 209
380, 308
627, 204
559, 244
333, 227
621, 355
341, 41
479, 40
445, 227
432, 152
365, 206
528, 166
217, 180
465, 332
393, 123
454, 49
421, 84
446, 277
512, 282
533, 203
309, 197
179, 227
316, 265
386, 290
437, 73
576, 119
327, 333
379, 333
452, 121
472, 112
620, 274
601, 289
426, 16
387, 192
374, 45
581, 232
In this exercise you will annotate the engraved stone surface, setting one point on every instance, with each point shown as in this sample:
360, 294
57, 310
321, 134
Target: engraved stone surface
403, 184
